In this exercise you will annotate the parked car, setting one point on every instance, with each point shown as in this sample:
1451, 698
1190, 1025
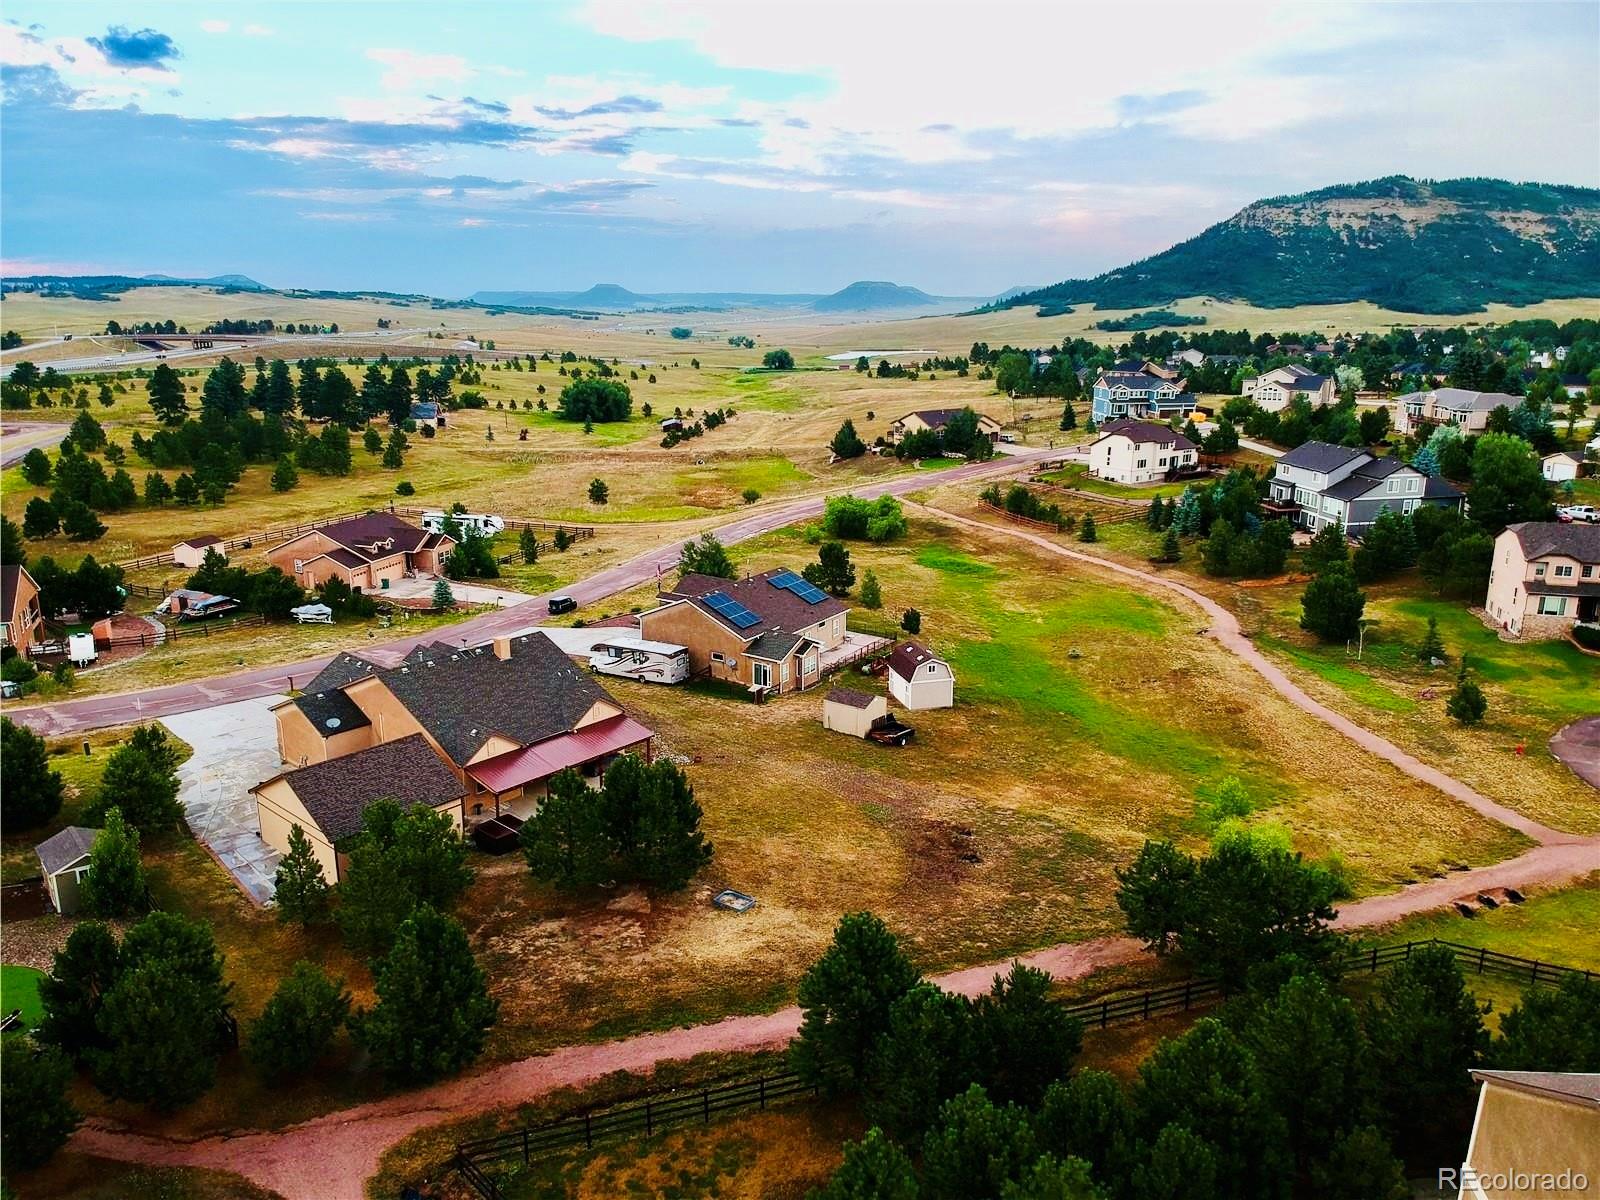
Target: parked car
1585, 513
562, 604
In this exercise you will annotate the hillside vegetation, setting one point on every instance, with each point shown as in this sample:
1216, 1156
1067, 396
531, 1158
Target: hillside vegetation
1405, 244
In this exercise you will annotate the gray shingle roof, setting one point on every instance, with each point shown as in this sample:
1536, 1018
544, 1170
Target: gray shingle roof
1320, 456
343, 669
463, 697
849, 697
1575, 540
331, 712
774, 646
61, 850
406, 771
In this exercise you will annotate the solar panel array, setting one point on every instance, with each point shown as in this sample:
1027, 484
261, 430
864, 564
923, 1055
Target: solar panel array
726, 606
789, 581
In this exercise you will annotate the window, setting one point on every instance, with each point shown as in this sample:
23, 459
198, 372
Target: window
933, 668
1394, 486
808, 665
1143, 462
837, 622
1538, 570
1588, 570
783, 673
298, 564
716, 656
1552, 606
761, 674
1563, 570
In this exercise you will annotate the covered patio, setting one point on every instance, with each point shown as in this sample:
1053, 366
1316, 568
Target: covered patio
514, 782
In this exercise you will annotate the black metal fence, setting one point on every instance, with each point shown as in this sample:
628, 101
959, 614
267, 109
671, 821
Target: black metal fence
677, 1108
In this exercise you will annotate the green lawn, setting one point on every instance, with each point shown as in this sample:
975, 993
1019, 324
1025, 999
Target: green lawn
19, 989
1076, 475
1560, 925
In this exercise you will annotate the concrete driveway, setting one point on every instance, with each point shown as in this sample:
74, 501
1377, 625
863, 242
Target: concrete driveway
235, 748
421, 588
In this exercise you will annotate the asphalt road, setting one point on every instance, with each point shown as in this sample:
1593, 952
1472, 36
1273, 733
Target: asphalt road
98, 712
18, 437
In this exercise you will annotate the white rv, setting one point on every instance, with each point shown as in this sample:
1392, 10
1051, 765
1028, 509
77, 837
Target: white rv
485, 524
636, 658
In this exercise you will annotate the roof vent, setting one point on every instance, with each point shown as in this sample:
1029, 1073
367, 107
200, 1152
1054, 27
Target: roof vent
332, 722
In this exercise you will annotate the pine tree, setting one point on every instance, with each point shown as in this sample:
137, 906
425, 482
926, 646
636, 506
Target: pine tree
1432, 644
157, 491
846, 998
1069, 417
1086, 529
298, 1023
33, 1091
167, 398
284, 475
300, 889
434, 1009
1153, 515
871, 591
911, 622
30, 789
566, 842
1332, 604
1171, 551
599, 493
847, 443
115, 885
443, 597
1467, 703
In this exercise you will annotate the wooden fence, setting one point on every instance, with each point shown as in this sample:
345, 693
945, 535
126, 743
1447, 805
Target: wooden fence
652, 1112
150, 637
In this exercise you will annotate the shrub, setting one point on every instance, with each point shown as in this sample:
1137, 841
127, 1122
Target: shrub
299, 1022
33, 1092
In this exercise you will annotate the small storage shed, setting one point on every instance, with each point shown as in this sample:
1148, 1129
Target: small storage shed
63, 861
919, 679
845, 710
193, 552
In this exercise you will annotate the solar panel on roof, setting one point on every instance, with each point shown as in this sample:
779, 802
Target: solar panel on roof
727, 607
783, 579
810, 593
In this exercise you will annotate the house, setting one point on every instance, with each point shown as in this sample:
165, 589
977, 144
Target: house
672, 425
767, 632
21, 615
499, 720
192, 553
1561, 466
1545, 578
1318, 484
1275, 390
1188, 357
845, 710
919, 679
1449, 406
327, 799
428, 412
1137, 393
1535, 1134
63, 862
936, 419
187, 604
1140, 452
366, 553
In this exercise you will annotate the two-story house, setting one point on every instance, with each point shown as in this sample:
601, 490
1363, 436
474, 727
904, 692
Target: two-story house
1318, 484
21, 618
1119, 393
1545, 578
1140, 452
768, 632
1415, 412
1274, 390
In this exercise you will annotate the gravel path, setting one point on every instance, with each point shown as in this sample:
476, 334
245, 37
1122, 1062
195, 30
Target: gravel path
331, 1157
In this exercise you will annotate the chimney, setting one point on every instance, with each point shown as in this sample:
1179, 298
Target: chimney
502, 648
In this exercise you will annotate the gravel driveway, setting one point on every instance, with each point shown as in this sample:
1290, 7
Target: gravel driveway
235, 748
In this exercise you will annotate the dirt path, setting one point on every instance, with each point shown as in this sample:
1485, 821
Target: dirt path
330, 1157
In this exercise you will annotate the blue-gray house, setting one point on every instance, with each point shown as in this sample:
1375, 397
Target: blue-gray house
1138, 394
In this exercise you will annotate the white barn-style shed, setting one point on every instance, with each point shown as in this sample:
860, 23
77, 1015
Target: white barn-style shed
920, 679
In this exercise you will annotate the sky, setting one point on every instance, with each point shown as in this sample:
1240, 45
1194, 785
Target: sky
757, 145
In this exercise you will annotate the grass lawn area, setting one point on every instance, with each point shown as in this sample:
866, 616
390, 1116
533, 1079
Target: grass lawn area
1554, 925
1076, 475
19, 989
86, 1177
1533, 688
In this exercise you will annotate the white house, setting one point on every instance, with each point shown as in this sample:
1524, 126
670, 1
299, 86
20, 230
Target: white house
64, 861
1140, 452
1274, 390
920, 679
1560, 466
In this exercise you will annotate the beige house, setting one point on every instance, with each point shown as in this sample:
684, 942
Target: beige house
1417, 411
192, 552
1545, 578
1561, 466
1140, 452
845, 710
936, 419
368, 553
766, 633
1274, 390
919, 679
63, 862
497, 720
1536, 1135
21, 616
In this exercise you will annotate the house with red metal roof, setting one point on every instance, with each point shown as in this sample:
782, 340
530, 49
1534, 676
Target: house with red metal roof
475, 733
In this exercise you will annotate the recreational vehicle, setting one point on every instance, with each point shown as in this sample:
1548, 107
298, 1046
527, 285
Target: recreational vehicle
483, 524
636, 658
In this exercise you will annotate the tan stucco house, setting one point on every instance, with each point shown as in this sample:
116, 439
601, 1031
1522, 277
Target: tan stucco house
1274, 390
1545, 578
766, 632
21, 617
368, 552
936, 419
1469, 410
191, 552
1536, 1135
497, 720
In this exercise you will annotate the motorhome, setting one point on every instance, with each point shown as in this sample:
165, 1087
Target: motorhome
483, 524
637, 658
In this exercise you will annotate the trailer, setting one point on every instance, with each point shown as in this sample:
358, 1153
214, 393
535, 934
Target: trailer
483, 524
636, 658
80, 649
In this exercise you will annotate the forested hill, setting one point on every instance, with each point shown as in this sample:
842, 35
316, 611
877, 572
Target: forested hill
1407, 244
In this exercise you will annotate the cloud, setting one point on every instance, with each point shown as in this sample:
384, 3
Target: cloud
407, 67
258, 31
215, 26
622, 104
123, 47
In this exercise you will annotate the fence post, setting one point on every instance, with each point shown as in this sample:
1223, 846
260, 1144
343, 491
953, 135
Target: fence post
1483, 955
1188, 985
588, 1132
524, 1145
1105, 1013
647, 1120
1147, 1005
705, 1105
762, 1085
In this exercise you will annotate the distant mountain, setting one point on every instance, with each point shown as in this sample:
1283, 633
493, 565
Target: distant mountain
1013, 292
611, 297
239, 283
1407, 244
103, 287
871, 294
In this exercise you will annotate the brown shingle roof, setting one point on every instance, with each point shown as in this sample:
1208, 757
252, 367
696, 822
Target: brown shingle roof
908, 656
406, 771
1147, 431
201, 539
778, 608
375, 535
1582, 1089
1573, 539
849, 696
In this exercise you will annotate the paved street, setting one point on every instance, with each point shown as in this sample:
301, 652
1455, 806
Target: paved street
235, 748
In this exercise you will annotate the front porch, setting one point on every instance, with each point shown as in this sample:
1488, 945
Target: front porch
514, 783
